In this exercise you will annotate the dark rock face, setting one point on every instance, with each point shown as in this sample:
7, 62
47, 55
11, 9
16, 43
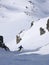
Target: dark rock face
18, 39
26, 7
2, 45
47, 25
32, 23
1, 39
42, 31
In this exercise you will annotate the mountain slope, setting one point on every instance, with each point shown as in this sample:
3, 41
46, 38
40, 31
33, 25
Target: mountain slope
12, 18
16, 16
32, 40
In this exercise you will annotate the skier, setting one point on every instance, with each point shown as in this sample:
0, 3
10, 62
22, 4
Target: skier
20, 48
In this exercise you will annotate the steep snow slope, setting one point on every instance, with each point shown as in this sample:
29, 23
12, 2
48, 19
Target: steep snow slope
32, 40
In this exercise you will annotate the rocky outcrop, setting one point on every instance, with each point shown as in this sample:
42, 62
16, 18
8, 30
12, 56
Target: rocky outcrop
32, 23
42, 31
47, 25
18, 39
2, 45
